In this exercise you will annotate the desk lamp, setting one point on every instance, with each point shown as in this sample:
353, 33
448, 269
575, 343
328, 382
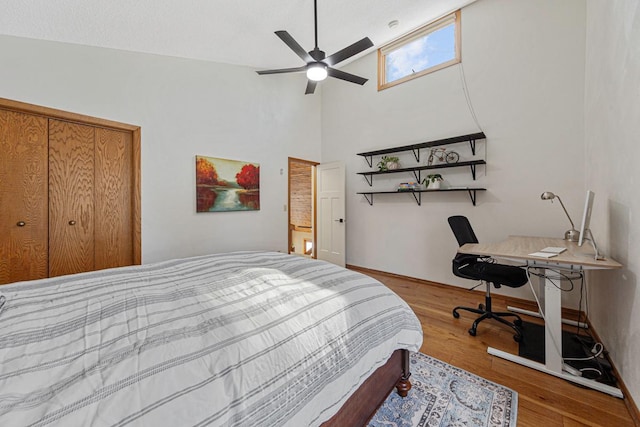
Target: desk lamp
572, 235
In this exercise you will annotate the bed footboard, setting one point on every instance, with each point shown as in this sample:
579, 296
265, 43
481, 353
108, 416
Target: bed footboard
364, 403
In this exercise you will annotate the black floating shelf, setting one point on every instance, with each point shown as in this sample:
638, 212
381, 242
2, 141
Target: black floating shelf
416, 170
471, 138
417, 194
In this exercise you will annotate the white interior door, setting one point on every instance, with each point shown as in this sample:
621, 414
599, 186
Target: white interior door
330, 210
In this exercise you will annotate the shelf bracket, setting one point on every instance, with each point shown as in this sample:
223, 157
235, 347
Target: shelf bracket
416, 154
472, 195
369, 179
472, 143
418, 197
417, 175
473, 171
369, 160
369, 198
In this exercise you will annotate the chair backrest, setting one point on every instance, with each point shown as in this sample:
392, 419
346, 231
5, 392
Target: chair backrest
470, 266
462, 230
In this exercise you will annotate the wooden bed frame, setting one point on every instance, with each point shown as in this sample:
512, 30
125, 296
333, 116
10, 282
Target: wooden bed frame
364, 403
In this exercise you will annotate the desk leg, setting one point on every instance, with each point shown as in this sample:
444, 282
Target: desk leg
553, 326
538, 315
542, 296
553, 343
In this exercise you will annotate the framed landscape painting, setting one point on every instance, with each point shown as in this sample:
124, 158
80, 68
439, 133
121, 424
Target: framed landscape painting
227, 185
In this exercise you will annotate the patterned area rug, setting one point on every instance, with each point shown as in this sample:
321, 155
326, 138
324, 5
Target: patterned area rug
443, 395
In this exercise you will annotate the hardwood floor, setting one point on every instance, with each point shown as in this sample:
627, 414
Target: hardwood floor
543, 400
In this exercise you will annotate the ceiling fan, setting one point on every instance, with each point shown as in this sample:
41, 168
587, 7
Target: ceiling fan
318, 66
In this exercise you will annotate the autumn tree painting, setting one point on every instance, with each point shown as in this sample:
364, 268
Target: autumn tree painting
249, 177
226, 185
205, 172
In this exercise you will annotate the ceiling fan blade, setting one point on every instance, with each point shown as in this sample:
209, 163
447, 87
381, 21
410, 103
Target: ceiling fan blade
311, 87
283, 70
346, 76
294, 46
349, 51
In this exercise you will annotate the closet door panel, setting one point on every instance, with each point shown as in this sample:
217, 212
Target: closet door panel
113, 202
23, 197
71, 198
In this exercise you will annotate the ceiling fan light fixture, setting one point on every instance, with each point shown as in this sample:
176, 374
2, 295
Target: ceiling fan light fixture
317, 72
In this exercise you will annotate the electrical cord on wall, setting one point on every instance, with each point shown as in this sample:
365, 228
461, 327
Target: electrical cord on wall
467, 97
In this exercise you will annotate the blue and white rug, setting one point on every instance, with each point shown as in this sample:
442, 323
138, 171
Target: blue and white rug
443, 395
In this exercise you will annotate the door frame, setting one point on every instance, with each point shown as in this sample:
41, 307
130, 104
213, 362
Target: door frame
313, 202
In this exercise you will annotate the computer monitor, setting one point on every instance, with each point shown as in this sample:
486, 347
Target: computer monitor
586, 217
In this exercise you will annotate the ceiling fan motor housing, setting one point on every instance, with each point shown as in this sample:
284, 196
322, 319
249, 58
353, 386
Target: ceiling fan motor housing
317, 54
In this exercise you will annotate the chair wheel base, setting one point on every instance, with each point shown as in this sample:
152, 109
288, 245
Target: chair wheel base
456, 314
472, 332
517, 338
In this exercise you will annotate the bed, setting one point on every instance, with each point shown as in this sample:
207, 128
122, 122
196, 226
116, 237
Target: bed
235, 339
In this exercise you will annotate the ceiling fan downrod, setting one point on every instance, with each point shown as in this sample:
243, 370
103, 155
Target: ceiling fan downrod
315, 19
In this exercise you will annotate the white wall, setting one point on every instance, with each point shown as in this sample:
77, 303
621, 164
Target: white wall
524, 68
612, 110
184, 107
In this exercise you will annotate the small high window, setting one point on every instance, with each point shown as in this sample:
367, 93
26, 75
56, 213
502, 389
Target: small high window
425, 50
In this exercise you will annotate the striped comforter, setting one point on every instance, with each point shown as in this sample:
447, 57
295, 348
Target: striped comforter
237, 339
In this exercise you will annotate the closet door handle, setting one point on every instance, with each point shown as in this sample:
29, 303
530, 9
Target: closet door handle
21, 224
72, 222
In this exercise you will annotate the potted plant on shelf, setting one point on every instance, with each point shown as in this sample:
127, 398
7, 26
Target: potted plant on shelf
388, 163
433, 181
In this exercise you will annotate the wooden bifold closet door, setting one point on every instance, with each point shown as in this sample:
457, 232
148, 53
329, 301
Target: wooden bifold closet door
69, 193
23, 197
90, 221
114, 202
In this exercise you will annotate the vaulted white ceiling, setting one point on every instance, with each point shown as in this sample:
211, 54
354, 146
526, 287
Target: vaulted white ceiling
229, 31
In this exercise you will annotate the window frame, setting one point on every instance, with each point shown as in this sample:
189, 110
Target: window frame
427, 29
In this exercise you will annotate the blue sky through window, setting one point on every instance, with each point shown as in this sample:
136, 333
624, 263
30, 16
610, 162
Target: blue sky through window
425, 52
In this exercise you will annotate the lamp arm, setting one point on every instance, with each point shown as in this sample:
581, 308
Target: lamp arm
565, 211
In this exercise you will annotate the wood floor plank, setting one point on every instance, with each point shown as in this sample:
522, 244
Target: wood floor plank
543, 400
531, 414
572, 423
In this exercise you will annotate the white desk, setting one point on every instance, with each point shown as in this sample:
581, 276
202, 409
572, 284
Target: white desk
574, 258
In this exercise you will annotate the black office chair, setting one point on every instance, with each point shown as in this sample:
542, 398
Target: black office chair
476, 267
